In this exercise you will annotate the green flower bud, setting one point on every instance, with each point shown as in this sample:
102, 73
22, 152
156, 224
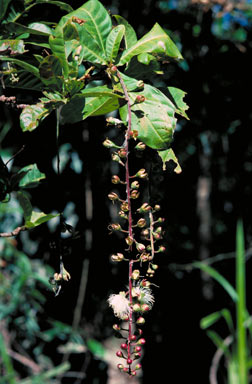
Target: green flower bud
140, 99
142, 174
141, 223
109, 144
135, 274
140, 146
113, 196
134, 194
135, 185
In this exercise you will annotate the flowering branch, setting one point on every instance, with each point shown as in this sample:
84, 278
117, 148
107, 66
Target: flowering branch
131, 306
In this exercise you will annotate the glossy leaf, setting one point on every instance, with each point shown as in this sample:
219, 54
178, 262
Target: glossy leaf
32, 176
90, 102
26, 80
141, 70
33, 29
156, 41
38, 218
154, 118
113, 42
169, 155
32, 115
92, 18
178, 96
12, 46
130, 37
57, 44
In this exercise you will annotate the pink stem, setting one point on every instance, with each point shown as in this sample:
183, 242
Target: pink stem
127, 176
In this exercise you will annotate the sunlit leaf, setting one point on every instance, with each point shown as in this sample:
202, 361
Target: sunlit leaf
12, 46
169, 155
156, 41
178, 95
130, 37
32, 115
32, 176
113, 42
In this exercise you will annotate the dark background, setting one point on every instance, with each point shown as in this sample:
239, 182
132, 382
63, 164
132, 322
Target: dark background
214, 149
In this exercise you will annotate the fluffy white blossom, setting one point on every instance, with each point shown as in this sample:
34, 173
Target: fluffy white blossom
120, 304
143, 294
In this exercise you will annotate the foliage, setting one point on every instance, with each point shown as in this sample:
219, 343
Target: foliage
90, 64
235, 347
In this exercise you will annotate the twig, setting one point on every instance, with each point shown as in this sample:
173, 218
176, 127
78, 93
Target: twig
15, 232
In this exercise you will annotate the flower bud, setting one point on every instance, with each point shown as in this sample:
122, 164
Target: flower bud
157, 236
137, 355
136, 307
120, 366
159, 230
141, 341
135, 185
133, 338
145, 283
125, 206
124, 346
116, 157
144, 257
129, 361
117, 257
113, 121
113, 69
140, 247
160, 220
123, 215
122, 153
119, 354
145, 308
114, 227
145, 207
145, 232
129, 240
142, 174
157, 207
109, 144
160, 249
135, 274
133, 134
154, 266
140, 146
134, 194
140, 321
140, 99
66, 275
115, 179
116, 327
137, 348
138, 366
140, 84
113, 196
141, 223
133, 373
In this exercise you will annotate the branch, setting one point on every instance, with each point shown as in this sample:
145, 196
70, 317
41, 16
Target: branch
15, 232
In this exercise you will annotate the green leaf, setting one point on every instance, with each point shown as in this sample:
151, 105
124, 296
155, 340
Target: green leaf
26, 80
169, 155
23, 64
32, 176
38, 218
57, 44
130, 37
12, 46
177, 96
113, 42
32, 115
157, 42
3, 7
49, 374
96, 22
50, 71
33, 29
219, 342
7, 363
154, 118
96, 348
211, 319
62, 5
25, 203
146, 69
90, 102
218, 277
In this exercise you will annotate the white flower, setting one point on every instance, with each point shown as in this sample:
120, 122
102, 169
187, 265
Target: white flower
120, 304
143, 294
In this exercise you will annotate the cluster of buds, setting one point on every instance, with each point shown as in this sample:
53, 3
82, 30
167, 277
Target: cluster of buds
142, 232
